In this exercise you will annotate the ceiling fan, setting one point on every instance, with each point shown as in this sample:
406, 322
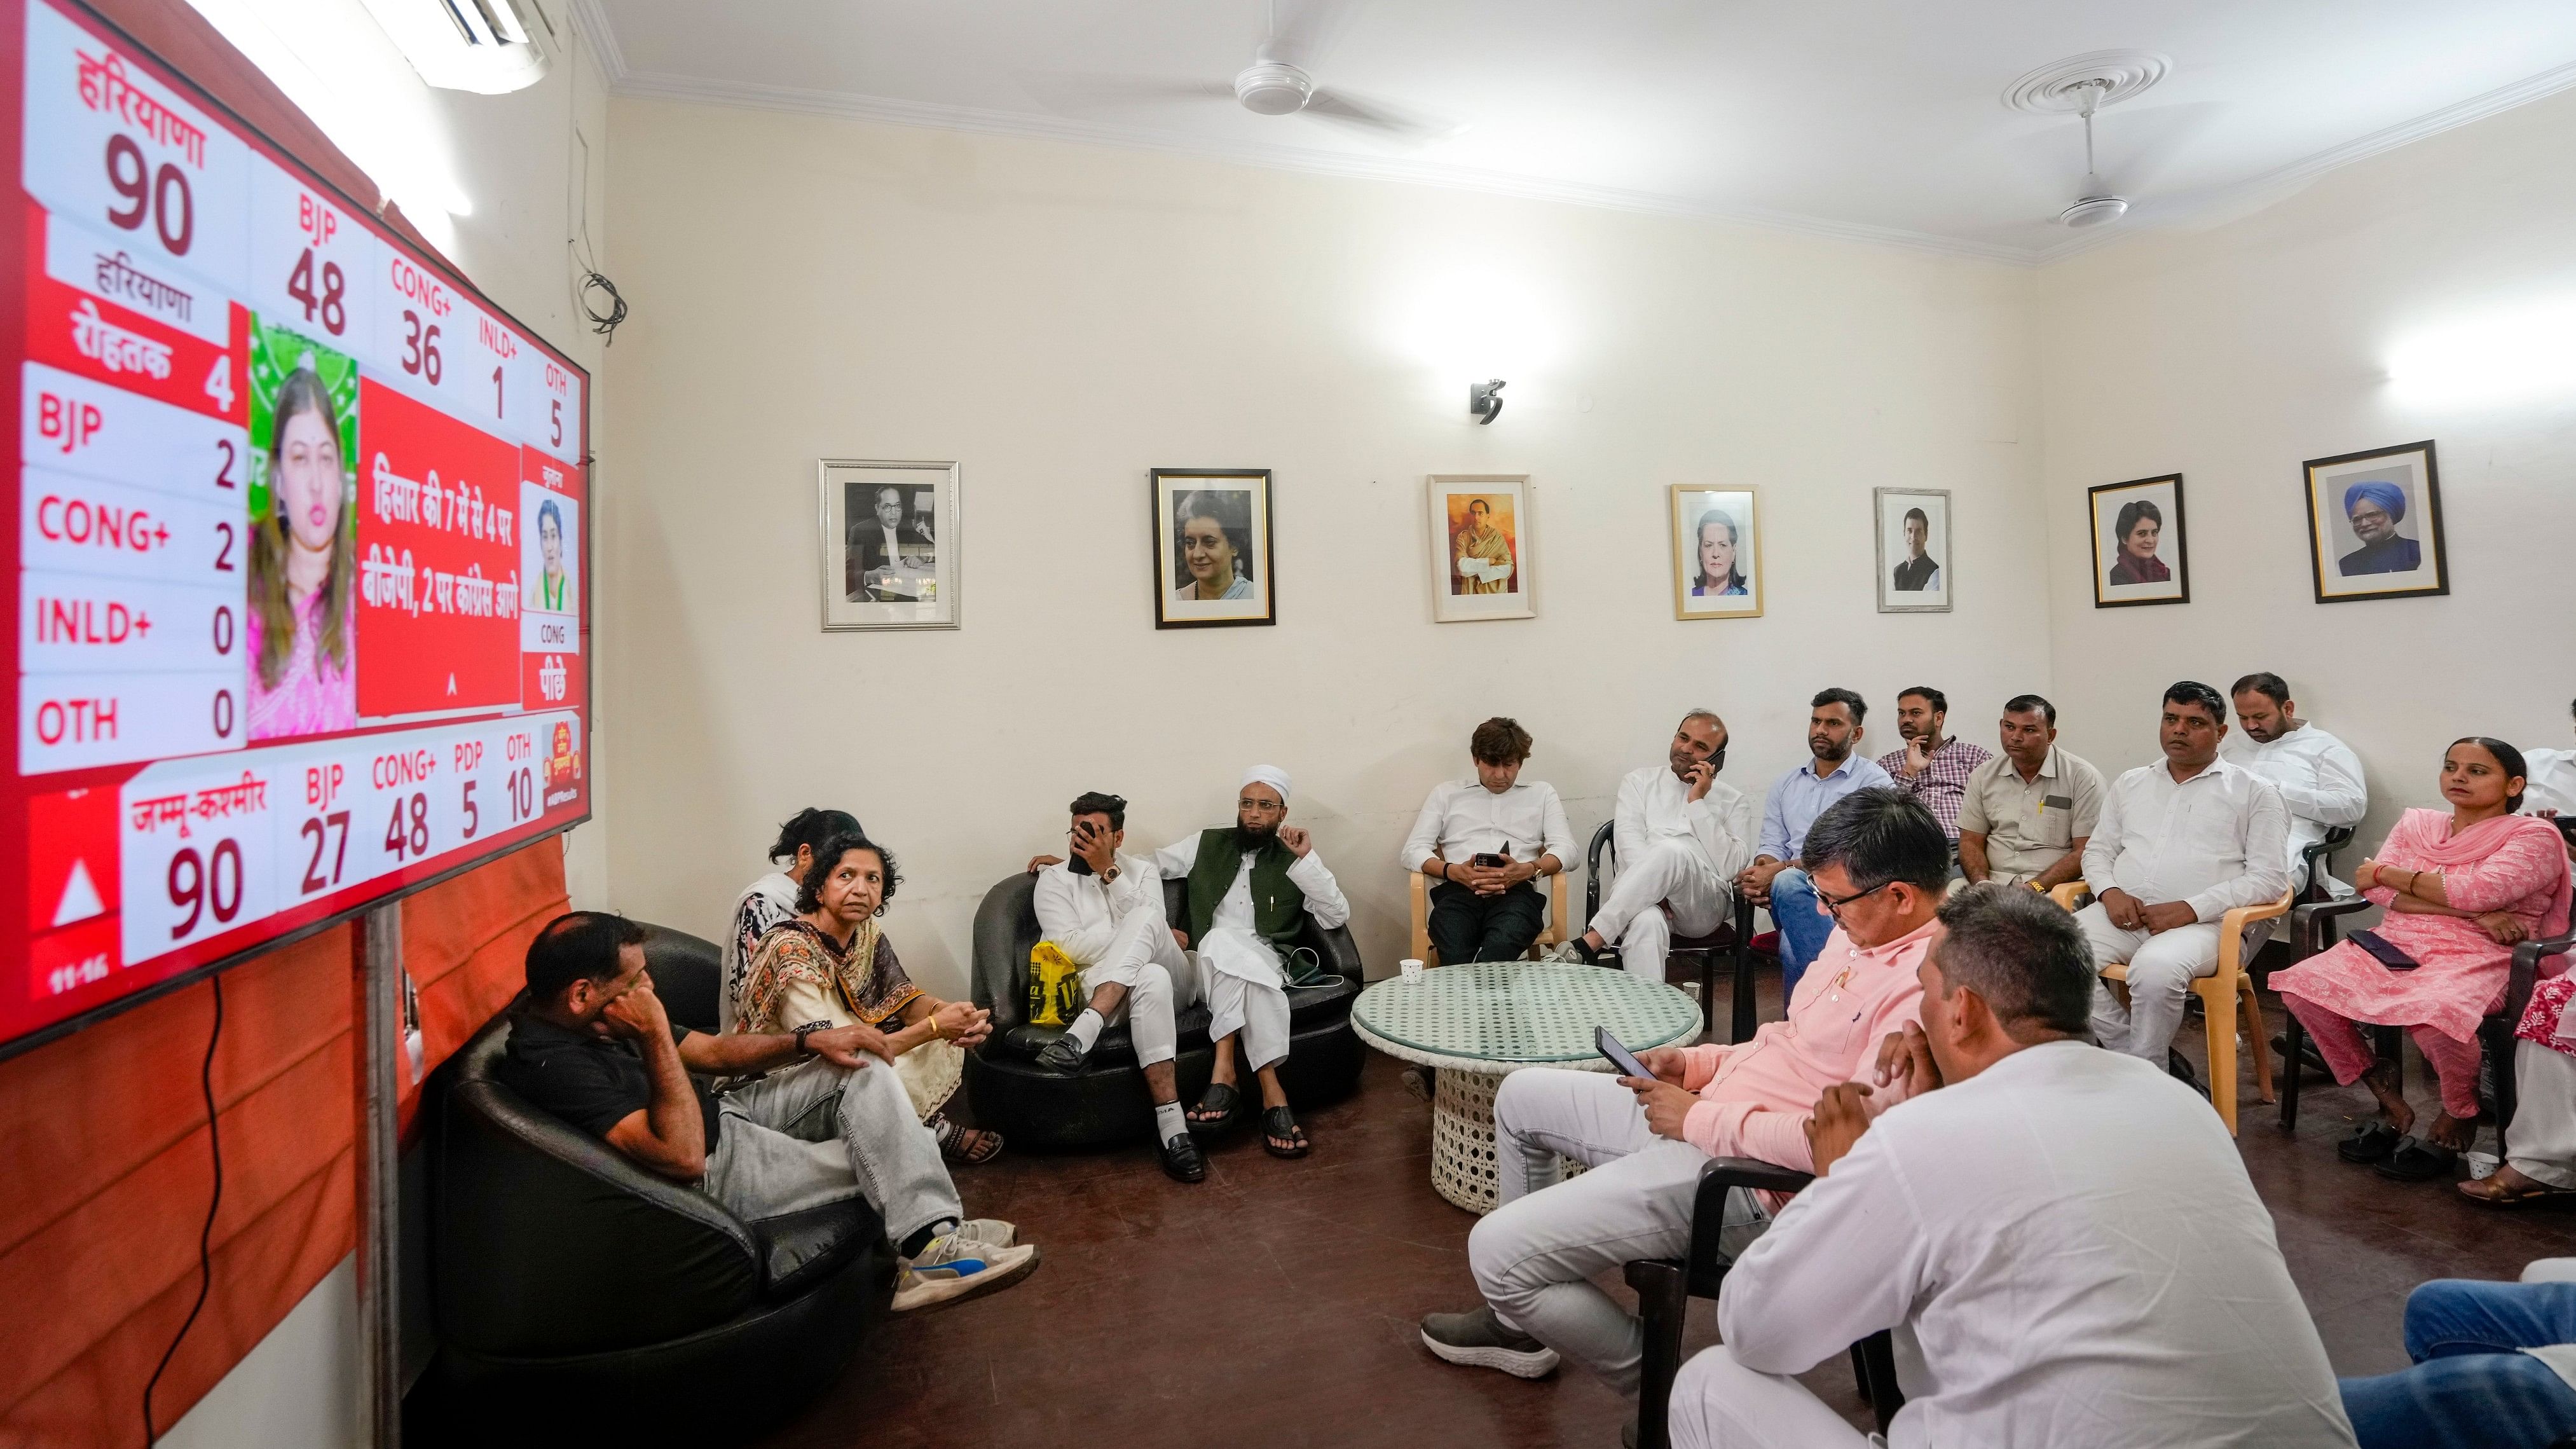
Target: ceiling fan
1278, 82
2084, 85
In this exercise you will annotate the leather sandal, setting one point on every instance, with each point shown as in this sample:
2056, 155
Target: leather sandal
1216, 1109
2418, 1160
2486, 1192
1278, 1125
2371, 1143
1182, 1160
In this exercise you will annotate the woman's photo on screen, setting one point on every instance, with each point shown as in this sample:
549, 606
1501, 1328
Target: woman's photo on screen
301, 626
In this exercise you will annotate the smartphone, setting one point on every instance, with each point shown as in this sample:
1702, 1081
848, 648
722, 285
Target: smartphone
1081, 837
1626, 1060
2387, 953
1487, 860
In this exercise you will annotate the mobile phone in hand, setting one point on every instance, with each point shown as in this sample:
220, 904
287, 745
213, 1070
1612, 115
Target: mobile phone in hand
1626, 1060
1487, 860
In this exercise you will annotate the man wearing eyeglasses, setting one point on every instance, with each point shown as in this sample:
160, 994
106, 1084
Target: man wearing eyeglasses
1880, 863
1681, 835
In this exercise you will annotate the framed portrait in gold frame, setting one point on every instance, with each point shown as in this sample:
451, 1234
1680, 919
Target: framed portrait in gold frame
1717, 552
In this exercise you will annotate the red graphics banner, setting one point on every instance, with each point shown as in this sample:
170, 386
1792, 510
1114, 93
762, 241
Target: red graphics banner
301, 563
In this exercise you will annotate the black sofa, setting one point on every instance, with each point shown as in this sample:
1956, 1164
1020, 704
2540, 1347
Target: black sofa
578, 1299
1106, 1105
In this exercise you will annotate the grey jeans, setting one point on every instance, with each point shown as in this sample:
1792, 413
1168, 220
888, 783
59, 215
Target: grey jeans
1536, 1254
815, 1133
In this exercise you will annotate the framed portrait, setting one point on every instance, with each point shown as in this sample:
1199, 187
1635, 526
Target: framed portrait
889, 544
1481, 533
1717, 552
1914, 573
2375, 525
1212, 547
2138, 553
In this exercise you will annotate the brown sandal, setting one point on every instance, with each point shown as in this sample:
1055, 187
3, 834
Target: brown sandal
967, 1146
2486, 1192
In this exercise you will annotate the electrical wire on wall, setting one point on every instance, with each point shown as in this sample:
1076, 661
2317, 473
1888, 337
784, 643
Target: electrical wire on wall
594, 295
205, 1234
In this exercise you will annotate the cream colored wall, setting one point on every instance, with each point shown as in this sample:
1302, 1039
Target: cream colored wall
2234, 354
1058, 319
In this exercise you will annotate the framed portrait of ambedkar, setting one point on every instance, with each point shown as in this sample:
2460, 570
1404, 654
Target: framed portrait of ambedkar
1481, 532
889, 544
2375, 525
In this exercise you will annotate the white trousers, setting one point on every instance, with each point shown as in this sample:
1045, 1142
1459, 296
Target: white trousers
1536, 1253
1246, 993
1720, 1404
2541, 1143
2161, 970
1674, 872
1143, 957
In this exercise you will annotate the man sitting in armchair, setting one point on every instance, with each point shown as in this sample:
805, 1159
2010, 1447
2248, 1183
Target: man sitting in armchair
593, 1046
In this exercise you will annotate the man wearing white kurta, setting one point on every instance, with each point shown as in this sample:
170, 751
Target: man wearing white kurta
2319, 776
2550, 786
1104, 909
2180, 844
2064, 1241
1681, 835
1252, 889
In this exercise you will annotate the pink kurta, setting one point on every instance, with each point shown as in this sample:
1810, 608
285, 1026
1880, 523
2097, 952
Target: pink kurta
1755, 1098
313, 695
2513, 863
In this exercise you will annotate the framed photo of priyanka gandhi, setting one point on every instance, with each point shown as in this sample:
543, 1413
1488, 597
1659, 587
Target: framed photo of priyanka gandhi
1212, 548
2138, 555
889, 544
1717, 552
2375, 525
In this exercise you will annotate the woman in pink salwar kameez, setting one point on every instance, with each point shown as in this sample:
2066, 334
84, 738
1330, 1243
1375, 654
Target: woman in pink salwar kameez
2462, 888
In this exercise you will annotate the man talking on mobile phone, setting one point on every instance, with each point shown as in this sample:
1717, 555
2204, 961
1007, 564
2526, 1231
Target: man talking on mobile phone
1682, 835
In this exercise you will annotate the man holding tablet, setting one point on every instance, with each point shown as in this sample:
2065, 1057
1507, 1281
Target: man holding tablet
1879, 862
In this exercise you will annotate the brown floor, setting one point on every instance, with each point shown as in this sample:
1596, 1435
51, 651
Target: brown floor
1275, 1303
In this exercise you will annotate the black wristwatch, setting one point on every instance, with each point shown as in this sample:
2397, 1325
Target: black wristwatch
802, 1049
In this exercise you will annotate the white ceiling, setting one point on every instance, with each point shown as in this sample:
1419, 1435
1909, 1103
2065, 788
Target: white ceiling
1870, 118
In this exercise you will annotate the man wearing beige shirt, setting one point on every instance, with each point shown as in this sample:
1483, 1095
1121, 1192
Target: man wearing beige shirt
2028, 812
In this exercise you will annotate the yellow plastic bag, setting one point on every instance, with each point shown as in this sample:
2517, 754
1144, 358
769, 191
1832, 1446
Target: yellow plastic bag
1055, 986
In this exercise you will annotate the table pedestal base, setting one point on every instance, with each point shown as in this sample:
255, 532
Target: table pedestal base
1462, 1140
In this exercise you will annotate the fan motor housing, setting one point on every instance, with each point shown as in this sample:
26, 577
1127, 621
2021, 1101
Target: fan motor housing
1273, 88
2094, 211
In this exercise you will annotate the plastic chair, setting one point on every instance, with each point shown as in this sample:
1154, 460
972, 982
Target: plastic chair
1551, 934
1724, 938
2224, 994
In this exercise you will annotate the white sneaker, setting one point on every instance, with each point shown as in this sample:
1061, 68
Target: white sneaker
955, 1268
988, 1232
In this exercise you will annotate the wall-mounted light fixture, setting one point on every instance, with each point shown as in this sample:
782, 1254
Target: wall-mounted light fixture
1485, 400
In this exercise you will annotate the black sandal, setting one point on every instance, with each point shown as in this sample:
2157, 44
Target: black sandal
1278, 1125
1214, 1113
952, 1136
2419, 1160
2372, 1143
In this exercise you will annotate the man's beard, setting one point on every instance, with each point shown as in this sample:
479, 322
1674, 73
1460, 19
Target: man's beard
1247, 837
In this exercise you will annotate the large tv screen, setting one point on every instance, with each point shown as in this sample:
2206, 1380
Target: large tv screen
301, 605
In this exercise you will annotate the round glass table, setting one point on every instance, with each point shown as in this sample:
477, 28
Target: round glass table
1478, 1023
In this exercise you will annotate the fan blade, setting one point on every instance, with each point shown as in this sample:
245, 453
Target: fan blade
1388, 121
1082, 96
1303, 32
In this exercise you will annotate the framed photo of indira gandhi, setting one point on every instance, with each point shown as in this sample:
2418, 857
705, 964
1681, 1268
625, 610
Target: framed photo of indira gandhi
2138, 554
1717, 552
1915, 569
1212, 563
1481, 532
2375, 525
889, 544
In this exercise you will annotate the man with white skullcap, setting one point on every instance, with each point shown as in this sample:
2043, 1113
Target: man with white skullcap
1253, 887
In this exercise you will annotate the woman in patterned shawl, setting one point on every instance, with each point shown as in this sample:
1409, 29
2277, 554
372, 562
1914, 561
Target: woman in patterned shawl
830, 965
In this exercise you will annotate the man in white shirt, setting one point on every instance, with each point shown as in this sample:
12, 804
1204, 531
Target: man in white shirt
1484, 840
1253, 887
2180, 844
1104, 909
2550, 787
2066, 1245
1681, 836
2319, 776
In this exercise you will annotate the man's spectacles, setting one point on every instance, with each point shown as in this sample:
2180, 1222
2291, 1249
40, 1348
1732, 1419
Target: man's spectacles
1834, 904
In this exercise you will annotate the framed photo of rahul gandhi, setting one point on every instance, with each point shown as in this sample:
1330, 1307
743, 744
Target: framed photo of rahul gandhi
889, 544
1717, 552
2138, 555
2375, 525
1481, 532
1212, 548
1914, 563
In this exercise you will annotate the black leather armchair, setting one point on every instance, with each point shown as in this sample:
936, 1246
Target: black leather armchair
1733, 939
687, 973
1106, 1104
1665, 1287
578, 1299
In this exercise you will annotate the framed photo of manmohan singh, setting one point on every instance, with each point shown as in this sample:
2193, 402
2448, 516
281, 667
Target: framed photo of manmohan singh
2375, 525
890, 544
1481, 535
1212, 564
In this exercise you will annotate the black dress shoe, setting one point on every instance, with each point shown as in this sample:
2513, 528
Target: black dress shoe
1182, 1160
1062, 1057
2180, 1066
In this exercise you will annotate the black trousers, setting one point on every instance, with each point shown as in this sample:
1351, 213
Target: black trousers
1465, 926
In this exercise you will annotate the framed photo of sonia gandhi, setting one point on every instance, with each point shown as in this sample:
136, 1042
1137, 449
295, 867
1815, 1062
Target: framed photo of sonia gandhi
2138, 555
1717, 552
1212, 548
2375, 525
889, 544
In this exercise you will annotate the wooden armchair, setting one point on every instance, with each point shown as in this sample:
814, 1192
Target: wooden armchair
1552, 934
2224, 995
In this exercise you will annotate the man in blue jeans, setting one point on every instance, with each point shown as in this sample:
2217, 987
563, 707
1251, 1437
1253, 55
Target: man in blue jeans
1775, 879
2493, 1366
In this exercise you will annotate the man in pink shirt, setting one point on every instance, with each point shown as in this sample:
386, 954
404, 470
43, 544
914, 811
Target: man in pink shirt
1879, 861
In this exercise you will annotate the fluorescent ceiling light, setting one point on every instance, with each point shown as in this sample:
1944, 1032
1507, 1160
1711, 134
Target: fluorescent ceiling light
465, 45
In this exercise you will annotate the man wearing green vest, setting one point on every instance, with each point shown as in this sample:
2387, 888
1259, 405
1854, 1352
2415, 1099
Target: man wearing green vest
1252, 888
